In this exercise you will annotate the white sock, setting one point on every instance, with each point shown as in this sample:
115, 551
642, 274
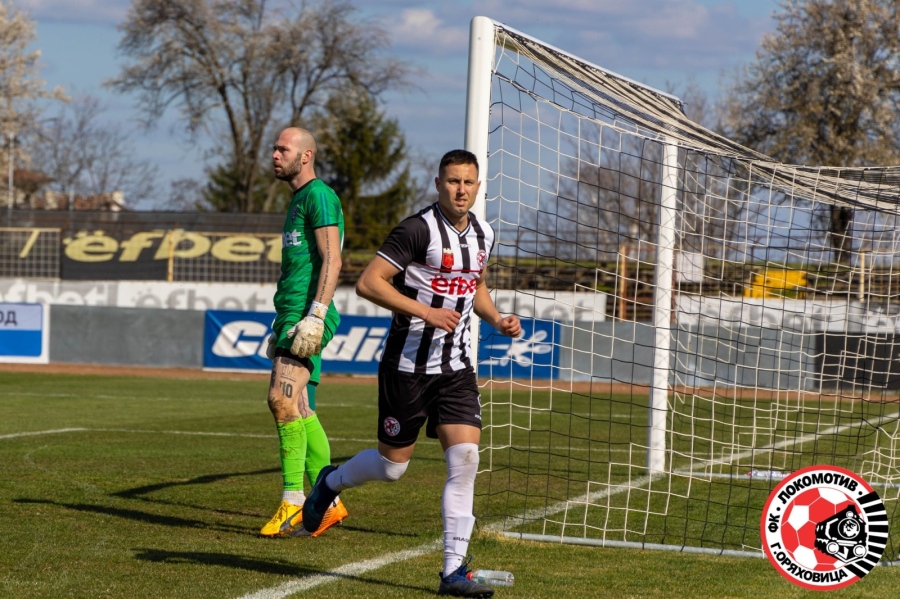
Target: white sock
366, 466
457, 503
295, 497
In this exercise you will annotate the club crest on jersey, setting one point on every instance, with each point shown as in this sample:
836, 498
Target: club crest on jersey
391, 426
482, 256
447, 258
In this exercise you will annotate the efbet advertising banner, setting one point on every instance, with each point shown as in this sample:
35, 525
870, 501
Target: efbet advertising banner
236, 340
533, 355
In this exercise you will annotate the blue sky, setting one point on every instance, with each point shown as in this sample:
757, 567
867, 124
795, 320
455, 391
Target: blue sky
652, 41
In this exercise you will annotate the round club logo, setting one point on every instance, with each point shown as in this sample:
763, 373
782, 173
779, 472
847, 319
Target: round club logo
824, 528
391, 426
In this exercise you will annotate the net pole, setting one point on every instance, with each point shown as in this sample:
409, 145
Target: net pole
478, 107
662, 311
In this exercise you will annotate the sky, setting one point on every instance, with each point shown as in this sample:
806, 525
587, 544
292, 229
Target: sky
661, 43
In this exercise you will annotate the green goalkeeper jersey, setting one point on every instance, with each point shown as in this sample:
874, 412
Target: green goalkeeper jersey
313, 206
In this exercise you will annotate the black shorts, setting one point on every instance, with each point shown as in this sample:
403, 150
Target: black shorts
406, 400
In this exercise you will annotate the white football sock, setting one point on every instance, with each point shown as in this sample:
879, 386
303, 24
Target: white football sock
295, 497
457, 502
367, 465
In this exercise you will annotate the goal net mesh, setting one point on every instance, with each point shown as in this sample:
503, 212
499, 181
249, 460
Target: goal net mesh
783, 350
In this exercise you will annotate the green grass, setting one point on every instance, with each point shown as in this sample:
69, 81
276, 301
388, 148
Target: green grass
131, 487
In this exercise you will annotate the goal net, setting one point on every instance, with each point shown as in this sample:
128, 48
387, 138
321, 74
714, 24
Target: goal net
700, 320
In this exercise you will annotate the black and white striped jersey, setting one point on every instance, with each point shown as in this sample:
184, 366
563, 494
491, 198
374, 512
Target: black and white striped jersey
440, 267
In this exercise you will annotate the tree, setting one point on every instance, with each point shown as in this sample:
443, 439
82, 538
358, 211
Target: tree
363, 157
224, 184
239, 70
85, 155
824, 90
20, 86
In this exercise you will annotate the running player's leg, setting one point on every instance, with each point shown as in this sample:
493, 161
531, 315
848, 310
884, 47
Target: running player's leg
458, 411
401, 413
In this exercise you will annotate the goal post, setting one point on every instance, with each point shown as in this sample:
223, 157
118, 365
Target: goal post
695, 328
662, 311
478, 102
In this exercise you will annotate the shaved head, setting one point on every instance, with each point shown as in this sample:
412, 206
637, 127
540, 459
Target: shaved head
302, 139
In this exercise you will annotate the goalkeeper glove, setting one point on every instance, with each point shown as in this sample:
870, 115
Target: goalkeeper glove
307, 333
270, 346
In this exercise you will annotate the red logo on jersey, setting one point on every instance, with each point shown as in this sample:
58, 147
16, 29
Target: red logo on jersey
447, 258
454, 286
482, 256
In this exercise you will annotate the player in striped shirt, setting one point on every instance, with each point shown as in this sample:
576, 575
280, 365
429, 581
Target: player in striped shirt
430, 274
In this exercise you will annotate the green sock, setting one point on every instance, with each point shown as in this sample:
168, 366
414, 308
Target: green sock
318, 451
292, 437
311, 395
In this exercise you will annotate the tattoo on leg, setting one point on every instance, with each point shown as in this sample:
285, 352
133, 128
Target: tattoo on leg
287, 388
287, 372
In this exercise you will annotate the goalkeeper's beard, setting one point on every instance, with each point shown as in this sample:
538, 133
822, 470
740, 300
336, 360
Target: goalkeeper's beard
289, 171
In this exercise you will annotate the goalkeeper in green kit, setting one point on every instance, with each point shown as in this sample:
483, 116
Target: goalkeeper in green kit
306, 320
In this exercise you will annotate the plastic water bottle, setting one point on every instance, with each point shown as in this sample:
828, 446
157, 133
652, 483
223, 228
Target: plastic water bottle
497, 578
767, 474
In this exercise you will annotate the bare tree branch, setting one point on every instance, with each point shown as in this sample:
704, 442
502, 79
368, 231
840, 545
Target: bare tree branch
248, 68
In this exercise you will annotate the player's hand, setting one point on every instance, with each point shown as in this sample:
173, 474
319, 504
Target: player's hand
510, 326
307, 336
270, 346
443, 318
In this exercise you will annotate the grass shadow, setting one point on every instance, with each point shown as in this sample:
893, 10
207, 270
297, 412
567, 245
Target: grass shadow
139, 516
279, 568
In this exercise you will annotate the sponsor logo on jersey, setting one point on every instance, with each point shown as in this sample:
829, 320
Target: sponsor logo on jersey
292, 238
453, 286
823, 528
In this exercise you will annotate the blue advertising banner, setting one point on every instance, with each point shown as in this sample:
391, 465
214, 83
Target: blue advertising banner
24, 330
236, 340
356, 347
533, 355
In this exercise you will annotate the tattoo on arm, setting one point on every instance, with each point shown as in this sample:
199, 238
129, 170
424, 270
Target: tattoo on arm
326, 265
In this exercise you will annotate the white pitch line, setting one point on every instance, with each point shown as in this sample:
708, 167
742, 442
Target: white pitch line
50, 432
309, 582
370, 440
188, 433
348, 570
248, 436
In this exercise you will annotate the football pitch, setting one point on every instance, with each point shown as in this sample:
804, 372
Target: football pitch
115, 486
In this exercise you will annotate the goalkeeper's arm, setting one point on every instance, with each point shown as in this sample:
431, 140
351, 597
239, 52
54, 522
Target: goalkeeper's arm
307, 334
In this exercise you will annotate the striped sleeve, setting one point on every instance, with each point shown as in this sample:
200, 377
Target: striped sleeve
407, 243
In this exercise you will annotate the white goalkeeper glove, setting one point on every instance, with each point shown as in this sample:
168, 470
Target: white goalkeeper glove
307, 333
270, 346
